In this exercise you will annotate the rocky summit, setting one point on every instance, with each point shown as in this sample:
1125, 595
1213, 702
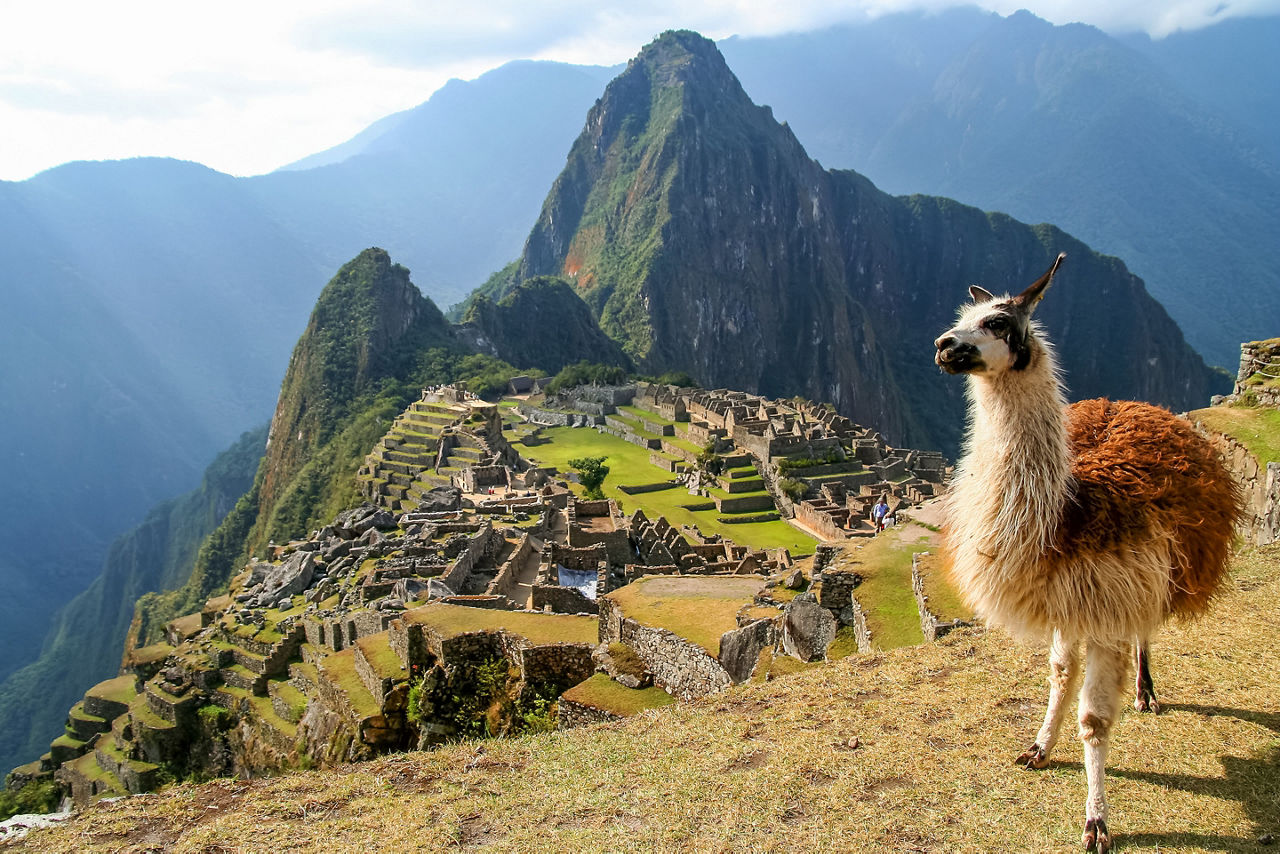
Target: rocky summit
705, 239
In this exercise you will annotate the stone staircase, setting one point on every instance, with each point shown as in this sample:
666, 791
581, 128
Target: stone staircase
410, 448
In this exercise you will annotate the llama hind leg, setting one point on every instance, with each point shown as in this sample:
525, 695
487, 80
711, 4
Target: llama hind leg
1064, 672
1104, 676
1144, 699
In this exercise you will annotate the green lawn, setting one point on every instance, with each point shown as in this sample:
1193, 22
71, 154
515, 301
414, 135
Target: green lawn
1256, 428
629, 464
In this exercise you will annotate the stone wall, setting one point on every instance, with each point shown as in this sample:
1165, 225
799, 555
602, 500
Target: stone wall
836, 595
455, 577
504, 583
1261, 486
824, 519
570, 714
562, 600
679, 667
556, 418
1259, 359
931, 626
561, 665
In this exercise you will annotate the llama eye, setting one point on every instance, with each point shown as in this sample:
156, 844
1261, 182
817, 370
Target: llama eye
996, 325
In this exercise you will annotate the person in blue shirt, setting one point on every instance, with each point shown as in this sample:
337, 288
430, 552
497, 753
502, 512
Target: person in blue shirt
880, 513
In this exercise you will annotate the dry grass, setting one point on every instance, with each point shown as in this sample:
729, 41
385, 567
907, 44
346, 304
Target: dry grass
906, 750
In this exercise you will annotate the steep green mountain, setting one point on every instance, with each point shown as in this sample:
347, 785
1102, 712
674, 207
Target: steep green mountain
1163, 155
539, 323
705, 239
372, 343
83, 646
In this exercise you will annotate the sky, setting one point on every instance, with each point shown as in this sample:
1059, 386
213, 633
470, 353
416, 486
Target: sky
246, 87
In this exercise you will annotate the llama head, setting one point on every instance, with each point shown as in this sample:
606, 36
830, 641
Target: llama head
993, 334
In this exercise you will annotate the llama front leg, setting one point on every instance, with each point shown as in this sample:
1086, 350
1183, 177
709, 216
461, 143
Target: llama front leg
1064, 672
1144, 699
1104, 674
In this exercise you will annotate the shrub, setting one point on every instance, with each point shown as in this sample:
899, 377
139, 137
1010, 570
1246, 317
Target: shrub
793, 487
586, 373
40, 796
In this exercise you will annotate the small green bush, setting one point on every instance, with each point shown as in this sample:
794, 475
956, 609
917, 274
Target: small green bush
41, 796
793, 487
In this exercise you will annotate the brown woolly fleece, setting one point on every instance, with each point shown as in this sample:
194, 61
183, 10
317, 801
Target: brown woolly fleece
1139, 469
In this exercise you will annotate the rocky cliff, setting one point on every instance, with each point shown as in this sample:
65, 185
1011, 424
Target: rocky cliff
705, 239
539, 323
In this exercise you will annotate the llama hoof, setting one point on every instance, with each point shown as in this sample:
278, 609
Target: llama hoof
1034, 756
1146, 703
1095, 837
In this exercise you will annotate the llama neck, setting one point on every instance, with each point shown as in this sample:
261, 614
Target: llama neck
1016, 473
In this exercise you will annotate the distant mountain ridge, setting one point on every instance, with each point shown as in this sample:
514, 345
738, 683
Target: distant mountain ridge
1162, 153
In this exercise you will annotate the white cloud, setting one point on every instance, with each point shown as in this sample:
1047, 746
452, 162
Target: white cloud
244, 86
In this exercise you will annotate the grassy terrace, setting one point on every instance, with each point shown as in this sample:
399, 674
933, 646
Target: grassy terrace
381, 657
635, 413
120, 689
265, 711
885, 593
697, 608
943, 599
453, 620
89, 768
629, 465
340, 668
601, 692
1256, 429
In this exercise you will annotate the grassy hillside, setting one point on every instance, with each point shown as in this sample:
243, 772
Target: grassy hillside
908, 750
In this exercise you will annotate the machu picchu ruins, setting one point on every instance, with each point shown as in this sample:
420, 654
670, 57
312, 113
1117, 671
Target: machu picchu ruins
473, 572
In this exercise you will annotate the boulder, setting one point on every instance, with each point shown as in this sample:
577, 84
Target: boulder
807, 628
437, 589
410, 589
350, 524
440, 499
258, 572
740, 648
289, 578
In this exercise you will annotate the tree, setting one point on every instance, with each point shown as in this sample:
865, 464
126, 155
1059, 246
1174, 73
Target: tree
591, 474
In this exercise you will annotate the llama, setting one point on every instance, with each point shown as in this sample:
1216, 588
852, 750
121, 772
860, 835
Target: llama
1091, 524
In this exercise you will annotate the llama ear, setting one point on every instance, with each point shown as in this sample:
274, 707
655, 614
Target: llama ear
980, 294
1031, 297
